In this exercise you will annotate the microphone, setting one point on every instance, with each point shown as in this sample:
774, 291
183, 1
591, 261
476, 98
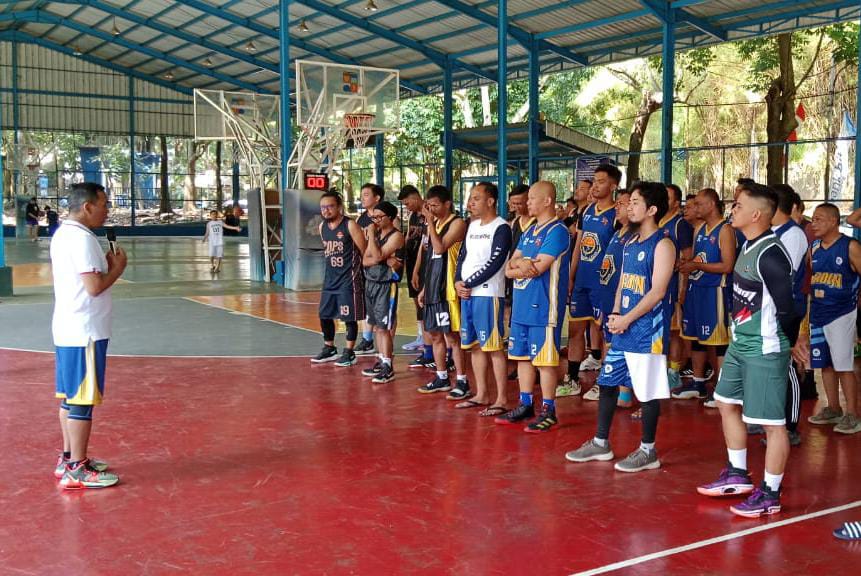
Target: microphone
111, 233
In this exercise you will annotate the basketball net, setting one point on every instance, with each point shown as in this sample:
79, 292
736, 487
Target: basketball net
358, 128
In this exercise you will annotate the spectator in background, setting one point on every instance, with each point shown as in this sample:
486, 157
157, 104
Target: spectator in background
53, 220
32, 219
232, 224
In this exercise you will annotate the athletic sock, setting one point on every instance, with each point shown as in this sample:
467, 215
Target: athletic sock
526, 398
625, 394
442, 375
549, 404
596, 354
368, 335
737, 458
386, 361
773, 481
461, 377
647, 446
428, 355
602, 442
574, 370
448, 354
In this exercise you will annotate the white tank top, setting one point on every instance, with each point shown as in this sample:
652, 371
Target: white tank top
479, 247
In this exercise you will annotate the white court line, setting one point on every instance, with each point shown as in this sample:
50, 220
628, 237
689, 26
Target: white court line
238, 313
716, 540
166, 355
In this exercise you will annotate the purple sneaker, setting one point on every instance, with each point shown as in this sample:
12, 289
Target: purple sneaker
762, 501
731, 482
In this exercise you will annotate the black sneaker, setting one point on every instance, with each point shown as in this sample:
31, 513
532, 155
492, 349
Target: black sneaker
386, 374
437, 385
373, 370
545, 421
364, 348
516, 416
687, 373
460, 391
418, 362
709, 373
327, 354
348, 358
430, 364
449, 365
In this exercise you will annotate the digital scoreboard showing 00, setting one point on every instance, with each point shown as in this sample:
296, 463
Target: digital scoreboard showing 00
316, 181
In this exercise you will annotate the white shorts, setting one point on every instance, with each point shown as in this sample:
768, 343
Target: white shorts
216, 251
647, 373
832, 345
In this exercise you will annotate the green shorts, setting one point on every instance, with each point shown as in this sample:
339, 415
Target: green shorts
757, 384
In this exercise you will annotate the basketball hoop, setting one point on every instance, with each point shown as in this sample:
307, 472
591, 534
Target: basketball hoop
358, 127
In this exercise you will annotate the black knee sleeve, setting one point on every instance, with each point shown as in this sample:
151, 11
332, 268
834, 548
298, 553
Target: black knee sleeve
651, 412
80, 412
606, 408
328, 326
352, 331
697, 347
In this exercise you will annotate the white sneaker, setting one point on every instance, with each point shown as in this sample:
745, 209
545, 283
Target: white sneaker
416, 344
593, 394
590, 364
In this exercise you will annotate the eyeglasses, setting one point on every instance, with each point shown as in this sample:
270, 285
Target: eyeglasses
376, 218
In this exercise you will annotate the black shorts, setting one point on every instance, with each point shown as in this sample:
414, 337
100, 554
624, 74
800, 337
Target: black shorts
345, 305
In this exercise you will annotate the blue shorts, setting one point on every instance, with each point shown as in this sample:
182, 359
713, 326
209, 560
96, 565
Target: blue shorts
81, 373
645, 373
704, 316
831, 345
585, 304
482, 322
344, 305
538, 344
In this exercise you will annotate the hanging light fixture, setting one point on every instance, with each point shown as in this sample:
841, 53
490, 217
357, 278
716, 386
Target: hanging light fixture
169, 75
370, 6
208, 62
76, 50
303, 26
115, 31
251, 47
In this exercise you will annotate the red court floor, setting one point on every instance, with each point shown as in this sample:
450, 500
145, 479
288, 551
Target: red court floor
271, 466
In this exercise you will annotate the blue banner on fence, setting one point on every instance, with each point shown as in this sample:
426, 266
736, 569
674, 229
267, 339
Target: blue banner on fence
91, 164
586, 166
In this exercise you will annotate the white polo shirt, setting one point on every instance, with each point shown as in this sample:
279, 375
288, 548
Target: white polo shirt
78, 317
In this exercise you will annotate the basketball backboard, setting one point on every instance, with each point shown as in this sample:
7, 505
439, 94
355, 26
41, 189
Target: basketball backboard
219, 114
325, 92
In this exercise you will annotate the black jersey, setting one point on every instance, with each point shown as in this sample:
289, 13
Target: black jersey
381, 272
439, 269
343, 258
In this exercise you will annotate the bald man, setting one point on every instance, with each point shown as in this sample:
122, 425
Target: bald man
539, 268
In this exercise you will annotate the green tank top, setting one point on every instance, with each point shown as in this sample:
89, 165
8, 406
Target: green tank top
755, 330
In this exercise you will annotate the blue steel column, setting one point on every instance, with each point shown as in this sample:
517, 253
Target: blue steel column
502, 106
669, 63
132, 155
2, 246
534, 125
448, 133
286, 128
20, 231
380, 159
857, 202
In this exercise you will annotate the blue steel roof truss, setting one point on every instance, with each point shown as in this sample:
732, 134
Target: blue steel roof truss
215, 63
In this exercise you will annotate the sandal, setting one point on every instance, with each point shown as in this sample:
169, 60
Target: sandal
849, 531
494, 410
469, 404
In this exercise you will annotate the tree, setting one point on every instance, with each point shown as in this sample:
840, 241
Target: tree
164, 196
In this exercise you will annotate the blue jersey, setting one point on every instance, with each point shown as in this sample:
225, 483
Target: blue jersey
596, 231
650, 333
834, 286
681, 233
540, 301
611, 269
707, 250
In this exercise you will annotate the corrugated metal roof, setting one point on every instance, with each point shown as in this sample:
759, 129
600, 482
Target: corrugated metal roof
206, 42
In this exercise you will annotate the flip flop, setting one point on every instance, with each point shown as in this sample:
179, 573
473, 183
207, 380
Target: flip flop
493, 411
849, 531
469, 404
